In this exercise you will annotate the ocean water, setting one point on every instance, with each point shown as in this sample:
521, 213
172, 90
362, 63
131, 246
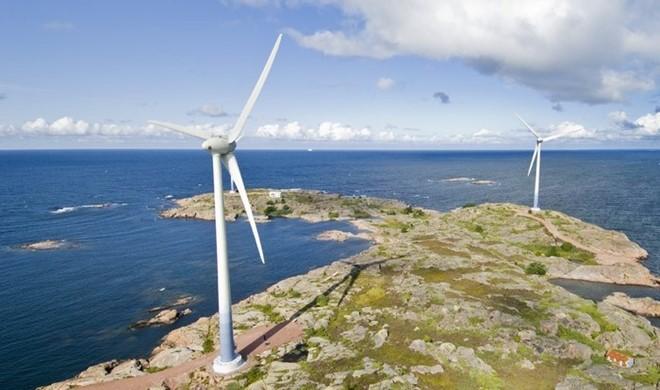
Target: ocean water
65, 310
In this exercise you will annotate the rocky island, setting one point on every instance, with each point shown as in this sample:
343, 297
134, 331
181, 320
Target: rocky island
461, 299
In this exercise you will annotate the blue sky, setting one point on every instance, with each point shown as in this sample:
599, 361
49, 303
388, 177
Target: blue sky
349, 74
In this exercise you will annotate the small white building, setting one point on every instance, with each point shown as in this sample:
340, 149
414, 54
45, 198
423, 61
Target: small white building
275, 194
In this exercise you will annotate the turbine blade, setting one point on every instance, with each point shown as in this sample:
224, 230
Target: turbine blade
180, 129
558, 135
236, 133
528, 126
232, 166
531, 163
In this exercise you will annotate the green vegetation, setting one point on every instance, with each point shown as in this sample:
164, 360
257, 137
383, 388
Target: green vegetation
253, 375
592, 310
208, 345
650, 377
565, 250
570, 334
270, 312
273, 212
536, 268
333, 214
321, 300
468, 205
358, 213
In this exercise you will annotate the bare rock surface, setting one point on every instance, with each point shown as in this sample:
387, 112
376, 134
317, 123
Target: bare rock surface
648, 307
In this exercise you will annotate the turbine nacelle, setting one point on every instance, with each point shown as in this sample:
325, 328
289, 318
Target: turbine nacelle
220, 145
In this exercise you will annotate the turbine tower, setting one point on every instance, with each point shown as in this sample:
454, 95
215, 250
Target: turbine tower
222, 152
536, 157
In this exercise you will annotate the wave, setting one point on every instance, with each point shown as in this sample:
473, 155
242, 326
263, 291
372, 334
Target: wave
69, 209
453, 179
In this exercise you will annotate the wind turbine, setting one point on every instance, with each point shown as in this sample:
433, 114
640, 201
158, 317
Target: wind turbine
536, 157
222, 150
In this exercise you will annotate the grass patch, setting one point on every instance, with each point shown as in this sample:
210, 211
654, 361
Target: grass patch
253, 375
333, 214
565, 250
592, 310
442, 248
270, 312
650, 377
570, 334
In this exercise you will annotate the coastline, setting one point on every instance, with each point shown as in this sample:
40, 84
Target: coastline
420, 248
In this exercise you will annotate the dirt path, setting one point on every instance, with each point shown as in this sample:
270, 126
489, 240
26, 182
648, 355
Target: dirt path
249, 344
603, 257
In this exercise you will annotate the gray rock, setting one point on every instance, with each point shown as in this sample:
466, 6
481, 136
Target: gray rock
381, 337
430, 370
171, 357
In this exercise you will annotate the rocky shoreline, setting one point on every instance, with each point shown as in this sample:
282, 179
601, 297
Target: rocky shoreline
441, 300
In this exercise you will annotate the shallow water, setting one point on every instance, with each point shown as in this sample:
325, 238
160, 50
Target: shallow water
65, 310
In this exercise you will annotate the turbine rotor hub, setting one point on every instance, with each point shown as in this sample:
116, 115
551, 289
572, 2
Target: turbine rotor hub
219, 145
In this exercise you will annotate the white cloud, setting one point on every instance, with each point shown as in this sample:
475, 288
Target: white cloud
385, 83
590, 51
573, 130
326, 131
67, 126
649, 124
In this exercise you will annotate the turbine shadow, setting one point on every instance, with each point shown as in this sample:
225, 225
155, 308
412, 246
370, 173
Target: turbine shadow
351, 276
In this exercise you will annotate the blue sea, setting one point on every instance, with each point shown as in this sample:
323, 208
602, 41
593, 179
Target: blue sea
64, 310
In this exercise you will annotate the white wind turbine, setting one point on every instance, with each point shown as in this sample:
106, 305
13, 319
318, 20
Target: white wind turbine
222, 149
536, 157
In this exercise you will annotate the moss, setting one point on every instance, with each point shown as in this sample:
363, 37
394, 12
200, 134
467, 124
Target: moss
322, 300
371, 297
536, 268
442, 248
270, 312
570, 334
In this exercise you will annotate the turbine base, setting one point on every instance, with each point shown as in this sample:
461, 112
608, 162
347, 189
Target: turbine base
535, 209
224, 368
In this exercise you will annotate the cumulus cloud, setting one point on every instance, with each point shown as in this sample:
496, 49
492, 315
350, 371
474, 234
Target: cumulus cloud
649, 124
326, 131
443, 97
554, 47
558, 107
68, 126
58, 26
385, 83
210, 109
570, 129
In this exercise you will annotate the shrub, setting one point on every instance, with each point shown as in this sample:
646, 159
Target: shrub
536, 268
333, 214
357, 213
418, 213
468, 205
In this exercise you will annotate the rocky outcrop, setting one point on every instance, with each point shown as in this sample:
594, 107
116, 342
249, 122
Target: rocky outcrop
164, 317
647, 306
